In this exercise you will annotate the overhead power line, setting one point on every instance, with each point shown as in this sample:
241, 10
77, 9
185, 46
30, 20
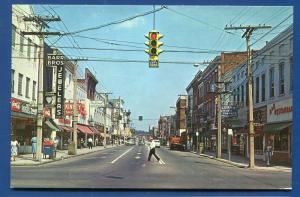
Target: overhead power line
115, 22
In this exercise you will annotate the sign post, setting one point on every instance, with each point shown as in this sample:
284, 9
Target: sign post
230, 133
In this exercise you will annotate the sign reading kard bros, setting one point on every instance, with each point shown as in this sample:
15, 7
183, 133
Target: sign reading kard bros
58, 62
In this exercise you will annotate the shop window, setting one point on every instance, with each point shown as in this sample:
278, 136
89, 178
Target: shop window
258, 142
281, 141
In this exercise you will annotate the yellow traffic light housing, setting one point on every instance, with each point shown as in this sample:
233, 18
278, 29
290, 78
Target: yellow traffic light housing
153, 47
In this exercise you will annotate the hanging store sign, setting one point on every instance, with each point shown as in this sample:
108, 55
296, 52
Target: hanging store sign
229, 111
59, 104
280, 111
21, 106
80, 109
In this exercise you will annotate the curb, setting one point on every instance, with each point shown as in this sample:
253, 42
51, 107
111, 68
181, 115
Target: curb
225, 161
57, 159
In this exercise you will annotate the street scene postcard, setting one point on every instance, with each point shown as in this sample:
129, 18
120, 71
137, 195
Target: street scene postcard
151, 97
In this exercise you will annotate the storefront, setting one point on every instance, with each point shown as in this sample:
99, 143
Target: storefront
260, 119
23, 121
278, 130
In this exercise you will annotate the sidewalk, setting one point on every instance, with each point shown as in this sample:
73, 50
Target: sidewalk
242, 162
27, 160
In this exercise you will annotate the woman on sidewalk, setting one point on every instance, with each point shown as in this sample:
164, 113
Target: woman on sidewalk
33, 146
14, 148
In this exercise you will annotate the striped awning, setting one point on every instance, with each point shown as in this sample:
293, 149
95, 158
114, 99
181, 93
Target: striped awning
52, 125
84, 129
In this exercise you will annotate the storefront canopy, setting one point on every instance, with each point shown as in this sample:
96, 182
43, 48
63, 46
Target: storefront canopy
273, 128
52, 125
95, 130
84, 129
65, 128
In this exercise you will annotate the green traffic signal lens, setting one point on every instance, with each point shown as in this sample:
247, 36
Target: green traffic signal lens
153, 51
153, 42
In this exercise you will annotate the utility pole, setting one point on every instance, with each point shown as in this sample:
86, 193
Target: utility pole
40, 105
249, 29
119, 120
75, 110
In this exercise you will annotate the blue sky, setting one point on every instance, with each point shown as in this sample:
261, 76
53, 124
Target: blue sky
151, 92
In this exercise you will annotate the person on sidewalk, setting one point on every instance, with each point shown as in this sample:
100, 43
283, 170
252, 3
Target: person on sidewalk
90, 143
33, 146
81, 143
152, 151
14, 148
269, 152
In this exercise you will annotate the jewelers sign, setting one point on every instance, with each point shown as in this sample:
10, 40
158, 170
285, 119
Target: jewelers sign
58, 62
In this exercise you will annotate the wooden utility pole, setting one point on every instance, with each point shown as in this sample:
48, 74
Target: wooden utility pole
249, 30
40, 96
75, 109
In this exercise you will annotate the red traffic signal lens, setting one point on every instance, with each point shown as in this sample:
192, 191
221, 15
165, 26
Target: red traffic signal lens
153, 36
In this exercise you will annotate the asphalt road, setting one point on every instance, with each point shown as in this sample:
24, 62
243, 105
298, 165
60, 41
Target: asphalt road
127, 167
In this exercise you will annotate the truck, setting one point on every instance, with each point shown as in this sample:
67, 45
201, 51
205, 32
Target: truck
177, 142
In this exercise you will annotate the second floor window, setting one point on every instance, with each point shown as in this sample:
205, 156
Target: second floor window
263, 87
291, 73
12, 80
281, 78
21, 42
271, 84
242, 94
29, 48
27, 87
257, 90
13, 36
33, 90
20, 82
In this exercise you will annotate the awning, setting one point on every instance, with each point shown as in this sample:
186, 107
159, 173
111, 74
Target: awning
235, 123
65, 128
84, 129
95, 131
277, 127
52, 125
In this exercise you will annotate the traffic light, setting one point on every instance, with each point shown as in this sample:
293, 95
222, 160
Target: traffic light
153, 47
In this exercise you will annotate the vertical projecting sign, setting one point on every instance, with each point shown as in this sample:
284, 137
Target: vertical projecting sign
58, 62
60, 90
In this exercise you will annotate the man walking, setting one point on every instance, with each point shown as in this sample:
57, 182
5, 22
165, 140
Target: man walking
90, 143
152, 151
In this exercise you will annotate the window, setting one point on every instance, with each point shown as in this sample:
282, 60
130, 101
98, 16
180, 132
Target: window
70, 78
238, 94
12, 80
234, 95
13, 36
257, 65
291, 73
33, 90
29, 48
281, 141
21, 42
234, 78
263, 87
271, 84
35, 55
27, 87
257, 90
20, 82
281, 78
238, 76
242, 95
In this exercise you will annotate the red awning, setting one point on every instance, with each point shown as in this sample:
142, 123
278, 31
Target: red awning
95, 130
65, 128
84, 129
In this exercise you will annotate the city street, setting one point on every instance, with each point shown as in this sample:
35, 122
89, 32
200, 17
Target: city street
127, 167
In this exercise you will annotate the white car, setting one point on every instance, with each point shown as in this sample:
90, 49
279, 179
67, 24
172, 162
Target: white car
157, 143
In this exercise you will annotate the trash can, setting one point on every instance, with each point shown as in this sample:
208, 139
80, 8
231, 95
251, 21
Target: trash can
48, 149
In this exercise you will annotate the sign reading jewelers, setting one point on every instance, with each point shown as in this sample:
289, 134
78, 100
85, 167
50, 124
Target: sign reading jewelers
280, 111
58, 62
